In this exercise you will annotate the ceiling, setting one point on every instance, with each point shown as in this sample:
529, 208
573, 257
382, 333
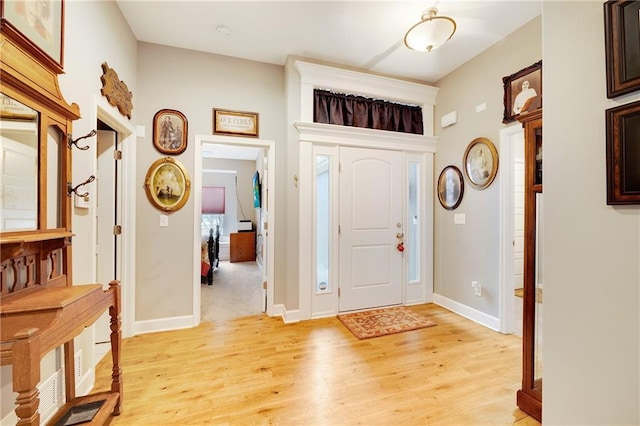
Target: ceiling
362, 34
366, 35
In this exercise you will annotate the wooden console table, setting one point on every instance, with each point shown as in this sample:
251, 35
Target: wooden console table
39, 319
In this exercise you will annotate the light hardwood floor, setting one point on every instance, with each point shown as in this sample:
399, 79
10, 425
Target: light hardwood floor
259, 371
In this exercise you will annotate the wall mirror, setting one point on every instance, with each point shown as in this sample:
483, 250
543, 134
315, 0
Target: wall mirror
18, 165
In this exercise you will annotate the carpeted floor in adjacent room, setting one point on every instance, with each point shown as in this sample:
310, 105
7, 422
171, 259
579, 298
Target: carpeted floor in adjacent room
236, 292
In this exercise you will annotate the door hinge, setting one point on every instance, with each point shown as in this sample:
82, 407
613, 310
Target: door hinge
338, 291
339, 167
117, 154
264, 285
339, 230
117, 229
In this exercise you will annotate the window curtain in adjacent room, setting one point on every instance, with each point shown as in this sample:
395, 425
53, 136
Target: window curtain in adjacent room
213, 199
358, 111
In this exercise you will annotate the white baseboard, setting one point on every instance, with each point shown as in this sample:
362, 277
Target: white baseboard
473, 314
164, 324
287, 316
325, 314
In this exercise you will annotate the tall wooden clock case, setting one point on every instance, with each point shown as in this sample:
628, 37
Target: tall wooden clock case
529, 398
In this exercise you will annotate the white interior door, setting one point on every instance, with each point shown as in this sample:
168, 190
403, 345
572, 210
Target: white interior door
370, 218
107, 216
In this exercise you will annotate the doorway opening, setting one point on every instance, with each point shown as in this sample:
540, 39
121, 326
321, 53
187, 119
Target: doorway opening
119, 250
233, 199
511, 228
108, 222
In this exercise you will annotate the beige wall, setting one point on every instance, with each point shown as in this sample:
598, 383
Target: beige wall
465, 253
194, 83
592, 251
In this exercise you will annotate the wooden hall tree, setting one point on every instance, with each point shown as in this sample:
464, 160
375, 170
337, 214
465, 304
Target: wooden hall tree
40, 307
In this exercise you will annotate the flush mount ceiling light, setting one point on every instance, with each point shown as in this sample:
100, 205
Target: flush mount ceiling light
431, 32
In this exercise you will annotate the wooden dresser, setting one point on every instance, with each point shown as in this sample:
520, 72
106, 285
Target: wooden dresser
242, 247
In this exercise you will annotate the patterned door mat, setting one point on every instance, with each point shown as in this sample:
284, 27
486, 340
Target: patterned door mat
381, 322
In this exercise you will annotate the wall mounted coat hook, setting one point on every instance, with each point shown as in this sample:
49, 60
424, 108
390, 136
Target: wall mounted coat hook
75, 142
74, 190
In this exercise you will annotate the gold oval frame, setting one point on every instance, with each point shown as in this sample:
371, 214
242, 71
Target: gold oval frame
167, 185
480, 169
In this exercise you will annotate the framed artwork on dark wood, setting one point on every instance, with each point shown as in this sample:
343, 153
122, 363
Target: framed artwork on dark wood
622, 46
522, 92
623, 154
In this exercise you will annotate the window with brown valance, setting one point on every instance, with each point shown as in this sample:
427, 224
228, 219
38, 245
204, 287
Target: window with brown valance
359, 111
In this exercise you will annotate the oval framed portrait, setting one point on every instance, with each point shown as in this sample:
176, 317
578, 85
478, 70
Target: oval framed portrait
170, 130
480, 163
450, 187
167, 185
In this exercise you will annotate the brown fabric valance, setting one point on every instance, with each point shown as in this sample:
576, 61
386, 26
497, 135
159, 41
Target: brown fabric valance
358, 111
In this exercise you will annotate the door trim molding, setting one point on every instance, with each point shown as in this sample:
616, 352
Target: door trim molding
196, 182
328, 135
506, 303
109, 115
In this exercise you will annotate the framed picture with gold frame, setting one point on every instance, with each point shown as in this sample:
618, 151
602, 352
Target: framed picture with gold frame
480, 163
38, 26
167, 185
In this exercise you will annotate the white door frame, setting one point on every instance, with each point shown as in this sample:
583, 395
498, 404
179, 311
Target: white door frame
312, 135
106, 113
506, 233
196, 184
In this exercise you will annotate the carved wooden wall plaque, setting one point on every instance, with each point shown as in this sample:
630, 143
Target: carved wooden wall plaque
116, 91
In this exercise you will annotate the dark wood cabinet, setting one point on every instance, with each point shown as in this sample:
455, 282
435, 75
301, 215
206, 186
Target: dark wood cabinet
529, 398
242, 247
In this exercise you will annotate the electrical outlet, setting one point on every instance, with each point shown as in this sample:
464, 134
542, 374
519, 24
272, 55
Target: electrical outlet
477, 288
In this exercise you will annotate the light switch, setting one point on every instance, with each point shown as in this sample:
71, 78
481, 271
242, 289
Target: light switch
164, 221
459, 219
481, 107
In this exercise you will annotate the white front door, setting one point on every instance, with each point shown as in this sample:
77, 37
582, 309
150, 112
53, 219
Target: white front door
370, 272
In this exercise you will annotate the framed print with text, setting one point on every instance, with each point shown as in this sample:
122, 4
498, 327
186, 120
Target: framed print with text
235, 123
